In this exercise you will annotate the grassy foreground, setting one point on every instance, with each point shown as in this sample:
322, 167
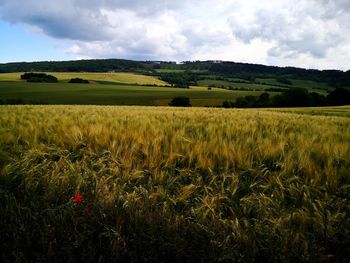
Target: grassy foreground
135, 184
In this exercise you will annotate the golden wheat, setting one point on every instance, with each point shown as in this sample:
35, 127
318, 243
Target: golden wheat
239, 174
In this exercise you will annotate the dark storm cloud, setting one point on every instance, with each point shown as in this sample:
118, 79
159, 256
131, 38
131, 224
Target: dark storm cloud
59, 19
76, 19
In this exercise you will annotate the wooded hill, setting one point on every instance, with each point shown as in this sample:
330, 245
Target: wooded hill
335, 78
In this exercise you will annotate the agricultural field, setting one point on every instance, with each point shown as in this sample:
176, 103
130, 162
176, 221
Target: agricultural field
340, 111
262, 84
238, 83
217, 83
312, 86
113, 94
130, 184
198, 71
170, 70
136, 89
120, 77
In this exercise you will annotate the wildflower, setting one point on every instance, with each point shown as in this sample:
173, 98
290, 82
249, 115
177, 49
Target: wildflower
120, 220
78, 198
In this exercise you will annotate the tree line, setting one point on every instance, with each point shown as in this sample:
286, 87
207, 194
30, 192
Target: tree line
336, 78
295, 97
96, 65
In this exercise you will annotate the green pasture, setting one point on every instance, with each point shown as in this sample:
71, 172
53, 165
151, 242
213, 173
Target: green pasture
225, 83
80, 94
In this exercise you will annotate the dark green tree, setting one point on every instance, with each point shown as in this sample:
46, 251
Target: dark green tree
339, 96
180, 102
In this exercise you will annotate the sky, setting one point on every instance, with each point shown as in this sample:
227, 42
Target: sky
301, 33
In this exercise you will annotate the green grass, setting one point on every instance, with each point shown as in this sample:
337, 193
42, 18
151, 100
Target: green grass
253, 86
340, 111
164, 184
217, 83
320, 87
170, 70
180, 71
65, 93
121, 77
225, 83
312, 86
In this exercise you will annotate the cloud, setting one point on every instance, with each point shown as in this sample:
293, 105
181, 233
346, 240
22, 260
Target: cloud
153, 37
63, 20
336, 5
299, 32
293, 29
79, 19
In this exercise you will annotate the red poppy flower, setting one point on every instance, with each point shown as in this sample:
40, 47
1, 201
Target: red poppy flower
120, 220
78, 198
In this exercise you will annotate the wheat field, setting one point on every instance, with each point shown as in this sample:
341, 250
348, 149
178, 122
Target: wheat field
194, 185
112, 77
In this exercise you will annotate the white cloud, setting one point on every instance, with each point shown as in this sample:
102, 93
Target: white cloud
306, 33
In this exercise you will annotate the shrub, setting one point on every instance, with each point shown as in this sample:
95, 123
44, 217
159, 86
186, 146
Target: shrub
79, 80
284, 81
227, 104
27, 76
39, 77
12, 102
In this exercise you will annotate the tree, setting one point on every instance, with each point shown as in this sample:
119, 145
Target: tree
227, 104
38, 77
263, 100
339, 96
295, 97
180, 102
79, 80
284, 81
318, 99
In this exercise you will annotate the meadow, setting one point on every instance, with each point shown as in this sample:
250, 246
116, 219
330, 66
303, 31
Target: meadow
263, 84
113, 94
135, 184
127, 88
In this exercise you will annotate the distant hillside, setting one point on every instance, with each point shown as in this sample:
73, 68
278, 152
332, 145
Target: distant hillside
249, 72
337, 77
98, 65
